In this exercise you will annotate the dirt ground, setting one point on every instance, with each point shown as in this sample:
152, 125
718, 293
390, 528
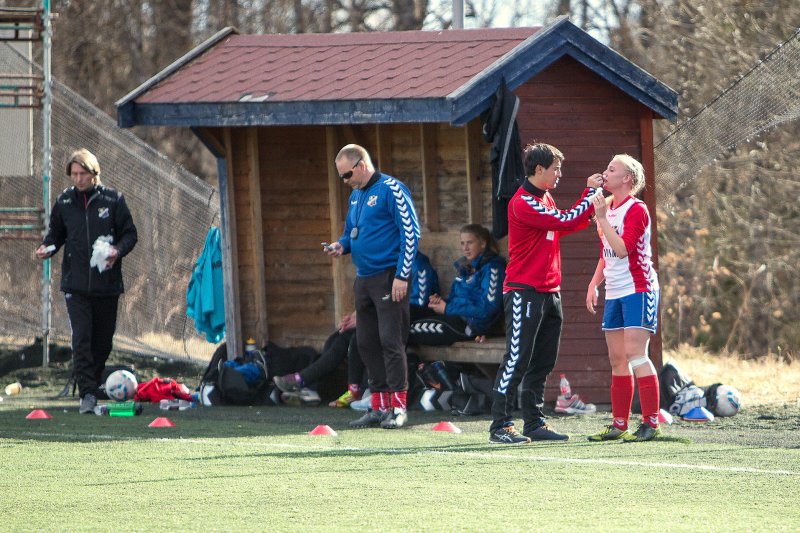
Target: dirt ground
770, 388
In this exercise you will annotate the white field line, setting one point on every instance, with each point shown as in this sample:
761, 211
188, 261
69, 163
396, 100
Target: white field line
477, 455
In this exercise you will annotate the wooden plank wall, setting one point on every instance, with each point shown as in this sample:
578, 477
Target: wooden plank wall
294, 198
293, 165
589, 120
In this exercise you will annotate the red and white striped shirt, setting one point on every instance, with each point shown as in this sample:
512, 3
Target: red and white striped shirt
634, 273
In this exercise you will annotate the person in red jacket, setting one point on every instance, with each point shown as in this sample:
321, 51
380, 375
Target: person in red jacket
531, 297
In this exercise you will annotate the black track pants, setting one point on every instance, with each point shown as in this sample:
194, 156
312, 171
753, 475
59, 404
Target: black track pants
93, 320
533, 333
382, 331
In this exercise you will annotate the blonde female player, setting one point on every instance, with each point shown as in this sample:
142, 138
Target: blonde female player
631, 307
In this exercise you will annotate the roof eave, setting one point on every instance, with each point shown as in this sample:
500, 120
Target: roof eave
316, 113
542, 49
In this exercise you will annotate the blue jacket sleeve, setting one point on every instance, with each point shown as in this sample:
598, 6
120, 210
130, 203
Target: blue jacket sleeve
426, 282
405, 218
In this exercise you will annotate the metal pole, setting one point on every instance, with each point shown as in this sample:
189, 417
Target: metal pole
46, 110
458, 15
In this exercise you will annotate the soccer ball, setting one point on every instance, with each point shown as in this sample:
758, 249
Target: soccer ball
729, 400
121, 386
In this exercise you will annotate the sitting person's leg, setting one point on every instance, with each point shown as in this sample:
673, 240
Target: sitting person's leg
334, 352
440, 330
356, 382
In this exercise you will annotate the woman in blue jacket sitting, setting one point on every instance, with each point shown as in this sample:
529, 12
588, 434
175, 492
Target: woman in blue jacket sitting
476, 295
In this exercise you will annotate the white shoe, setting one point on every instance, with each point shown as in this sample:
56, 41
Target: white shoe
306, 396
364, 403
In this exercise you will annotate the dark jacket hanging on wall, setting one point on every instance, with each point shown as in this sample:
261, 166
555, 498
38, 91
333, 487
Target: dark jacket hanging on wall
508, 172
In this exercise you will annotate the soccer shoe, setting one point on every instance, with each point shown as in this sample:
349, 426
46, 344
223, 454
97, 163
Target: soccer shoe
371, 418
344, 400
612, 432
508, 435
88, 403
289, 382
396, 419
645, 432
574, 406
545, 432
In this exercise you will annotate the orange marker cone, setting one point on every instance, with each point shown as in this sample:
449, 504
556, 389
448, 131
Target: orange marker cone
161, 422
446, 426
322, 430
38, 413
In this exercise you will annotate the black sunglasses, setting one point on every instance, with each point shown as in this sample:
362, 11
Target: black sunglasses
349, 174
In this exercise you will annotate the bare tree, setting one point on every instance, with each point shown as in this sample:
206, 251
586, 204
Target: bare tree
729, 248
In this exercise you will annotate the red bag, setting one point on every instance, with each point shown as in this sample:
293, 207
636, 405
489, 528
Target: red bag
158, 389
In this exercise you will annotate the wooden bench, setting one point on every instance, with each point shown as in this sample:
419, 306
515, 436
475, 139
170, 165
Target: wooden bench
487, 355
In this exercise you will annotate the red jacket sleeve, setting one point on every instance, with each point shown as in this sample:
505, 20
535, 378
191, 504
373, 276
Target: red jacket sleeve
537, 214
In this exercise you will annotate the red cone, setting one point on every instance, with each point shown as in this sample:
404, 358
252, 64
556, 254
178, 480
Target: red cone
38, 413
322, 430
161, 422
446, 426
664, 417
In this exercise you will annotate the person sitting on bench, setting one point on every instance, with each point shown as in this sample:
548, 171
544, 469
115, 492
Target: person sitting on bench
475, 301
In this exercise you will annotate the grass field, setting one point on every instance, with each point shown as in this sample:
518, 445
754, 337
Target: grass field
257, 469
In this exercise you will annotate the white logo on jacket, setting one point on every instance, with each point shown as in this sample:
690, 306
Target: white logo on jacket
372, 200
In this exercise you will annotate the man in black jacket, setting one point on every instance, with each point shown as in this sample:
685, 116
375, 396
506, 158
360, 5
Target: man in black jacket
89, 218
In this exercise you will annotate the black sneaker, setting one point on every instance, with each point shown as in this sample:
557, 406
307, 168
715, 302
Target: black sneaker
508, 435
396, 419
88, 403
545, 432
371, 418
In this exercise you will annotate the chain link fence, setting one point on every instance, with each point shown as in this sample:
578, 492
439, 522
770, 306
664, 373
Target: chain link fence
763, 98
172, 210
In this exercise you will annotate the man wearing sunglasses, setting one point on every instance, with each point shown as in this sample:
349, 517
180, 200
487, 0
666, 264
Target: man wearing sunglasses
382, 233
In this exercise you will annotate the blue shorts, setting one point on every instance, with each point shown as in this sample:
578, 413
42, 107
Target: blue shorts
637, 310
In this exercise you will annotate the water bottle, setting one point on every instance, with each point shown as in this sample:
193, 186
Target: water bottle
176, 404
250, 348
566, 392
119, 409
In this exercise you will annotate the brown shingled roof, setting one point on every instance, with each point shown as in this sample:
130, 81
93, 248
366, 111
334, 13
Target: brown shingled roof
342, 66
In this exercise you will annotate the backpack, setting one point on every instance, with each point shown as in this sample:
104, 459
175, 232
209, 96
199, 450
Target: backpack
238, 382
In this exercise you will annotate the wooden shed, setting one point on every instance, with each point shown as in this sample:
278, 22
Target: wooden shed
275, 109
